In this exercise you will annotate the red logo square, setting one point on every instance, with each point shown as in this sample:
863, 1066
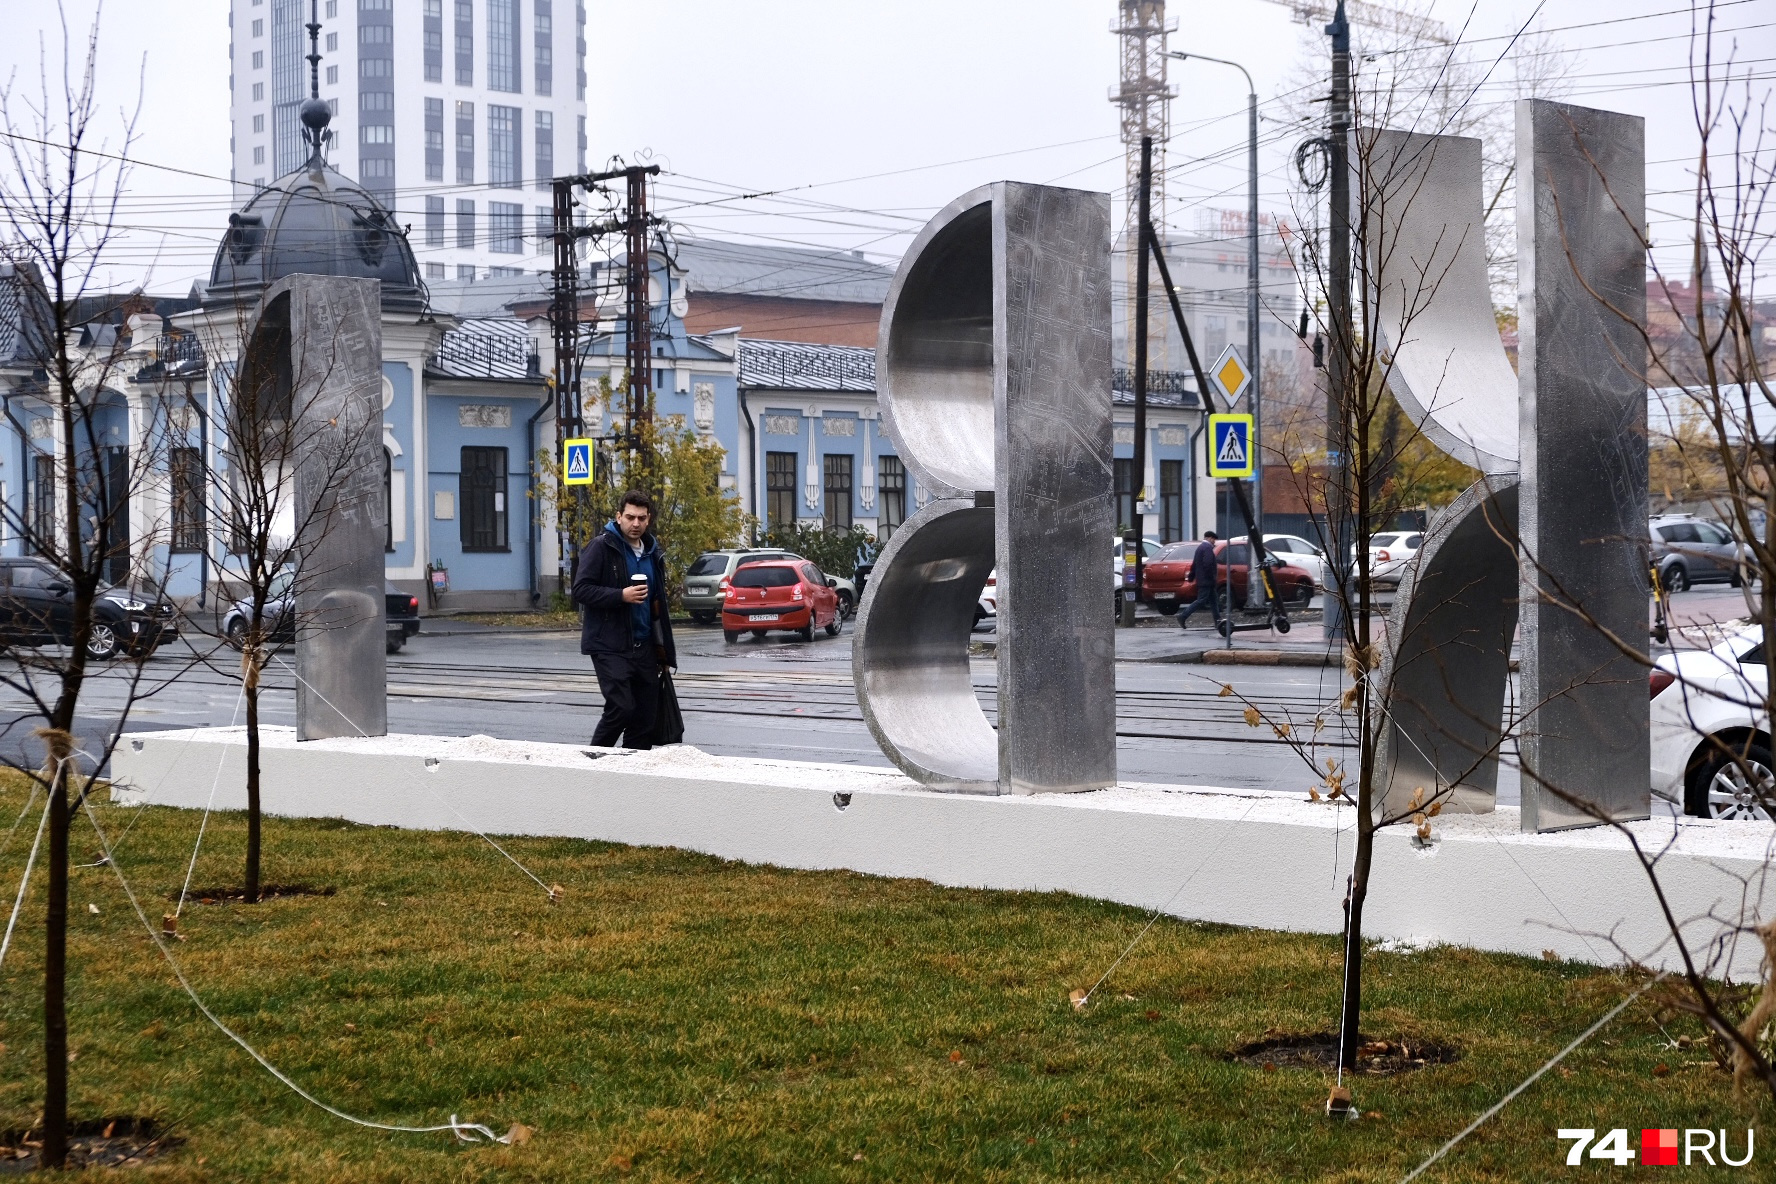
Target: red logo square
1658, 1147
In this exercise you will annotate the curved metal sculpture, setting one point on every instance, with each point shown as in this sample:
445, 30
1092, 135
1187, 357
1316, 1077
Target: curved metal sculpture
993, 373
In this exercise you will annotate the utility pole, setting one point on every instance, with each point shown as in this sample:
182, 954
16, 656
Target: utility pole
1142, 230
638, 334
1338, 299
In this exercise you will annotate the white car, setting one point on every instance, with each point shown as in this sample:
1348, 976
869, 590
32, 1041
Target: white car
1389, 553
1710, 733
1298, 552
987, 608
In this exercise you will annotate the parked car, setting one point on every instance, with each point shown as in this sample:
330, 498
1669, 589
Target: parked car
400, 610
711, 574
1389, 553
37, 608
783, 594
1690, 550
1710, 737
1298, 552
987, 607
1166, 582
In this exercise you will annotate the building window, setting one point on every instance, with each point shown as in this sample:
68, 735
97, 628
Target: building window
465, 224
838, 492
258, 59
434, 271
1125, 493
258, 92
580, 53
465, 43
43, 499
259, 28
545, 148
543, 65
503, 273
434, 139
465, 143
891, 489
1171, 501
434, 40
332, 75
434, 223
258, 123
582, 144
375, 68
375, 170
780, 489
465, 272
504, 161
483, 499
545, 229
505, 227
376, 133
332, 8
186, 470
332, 42
502, 45
258, 156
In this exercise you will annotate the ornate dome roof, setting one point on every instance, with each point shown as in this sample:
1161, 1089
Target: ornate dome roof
314, 221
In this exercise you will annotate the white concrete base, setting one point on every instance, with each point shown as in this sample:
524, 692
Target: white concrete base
1268, 860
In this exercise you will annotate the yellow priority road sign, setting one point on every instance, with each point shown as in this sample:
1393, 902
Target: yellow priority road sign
1230, 373
1230, 445
576, 462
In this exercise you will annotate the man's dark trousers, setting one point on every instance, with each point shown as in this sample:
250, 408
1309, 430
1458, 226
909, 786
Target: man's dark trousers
1205, 598
630, 684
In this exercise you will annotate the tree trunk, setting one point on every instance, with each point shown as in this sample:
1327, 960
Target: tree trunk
252, 694
55, 962
1350, 1022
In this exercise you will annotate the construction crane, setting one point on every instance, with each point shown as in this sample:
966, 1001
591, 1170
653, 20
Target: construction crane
1376, 16
1145, 98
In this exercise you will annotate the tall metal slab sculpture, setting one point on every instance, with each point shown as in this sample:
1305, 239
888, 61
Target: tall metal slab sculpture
993, 372
1581, 265
320, 338
1446, 664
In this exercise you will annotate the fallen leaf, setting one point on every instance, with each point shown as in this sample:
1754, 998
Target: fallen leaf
1550, 956
1661, 1070
1313, 795
169, 923
1151, 1014
1270, 1066
518, 1134
109, 1127
1077, 998
555, 892
1372, 1114
955, 1055
351, 1027
621, 1162
858, 1158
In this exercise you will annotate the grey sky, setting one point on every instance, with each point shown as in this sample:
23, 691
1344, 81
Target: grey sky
870, 116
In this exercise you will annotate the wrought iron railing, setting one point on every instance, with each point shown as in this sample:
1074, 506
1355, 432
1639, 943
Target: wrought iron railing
485, 353
760, 365
1159, 382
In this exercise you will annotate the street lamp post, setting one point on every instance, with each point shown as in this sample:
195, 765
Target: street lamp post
1254, 589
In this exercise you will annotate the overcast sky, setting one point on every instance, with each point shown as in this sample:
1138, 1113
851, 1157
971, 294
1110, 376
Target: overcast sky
864, 119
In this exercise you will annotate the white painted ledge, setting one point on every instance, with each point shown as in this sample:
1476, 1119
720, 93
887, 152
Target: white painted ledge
1269, 860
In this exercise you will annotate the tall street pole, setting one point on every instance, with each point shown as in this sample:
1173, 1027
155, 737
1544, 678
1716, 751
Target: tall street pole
1338, 299
1133, 539
1254, 589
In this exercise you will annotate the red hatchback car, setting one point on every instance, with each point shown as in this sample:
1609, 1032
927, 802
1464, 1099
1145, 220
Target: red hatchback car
1166, 582
785, 594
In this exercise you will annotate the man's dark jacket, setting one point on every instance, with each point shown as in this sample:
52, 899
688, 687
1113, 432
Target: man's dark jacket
606, 623
1202, 565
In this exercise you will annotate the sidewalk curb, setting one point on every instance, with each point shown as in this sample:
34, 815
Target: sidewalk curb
1251, 658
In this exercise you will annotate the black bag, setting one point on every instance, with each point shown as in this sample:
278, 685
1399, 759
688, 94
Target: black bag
669, 724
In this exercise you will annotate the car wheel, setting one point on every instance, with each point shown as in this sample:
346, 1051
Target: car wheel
1166, 608
1674, 578
730, 636
703, 618
980, 614
102, 643
846, 607
394, 644
1737, 579
806, 632
236, 633
1733, 786
832, 626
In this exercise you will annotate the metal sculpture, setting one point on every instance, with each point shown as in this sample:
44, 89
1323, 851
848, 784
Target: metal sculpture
993, 372
1563, 457
319, 340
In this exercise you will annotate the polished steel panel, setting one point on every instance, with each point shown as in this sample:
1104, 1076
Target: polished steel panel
1425, 246
910, 650
335, 380
993, 370
1051, 394
1581, 217
1446, 664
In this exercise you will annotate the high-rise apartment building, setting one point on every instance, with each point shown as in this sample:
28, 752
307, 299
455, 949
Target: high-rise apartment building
455, 113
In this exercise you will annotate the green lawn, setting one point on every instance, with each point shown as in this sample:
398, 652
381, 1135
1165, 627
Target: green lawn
678, 1017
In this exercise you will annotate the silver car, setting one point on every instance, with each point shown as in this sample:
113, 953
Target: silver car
707, 579
1688, 550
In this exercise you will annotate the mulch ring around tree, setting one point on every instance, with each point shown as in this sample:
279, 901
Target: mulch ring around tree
1375, 1058
104, 1143
237, 894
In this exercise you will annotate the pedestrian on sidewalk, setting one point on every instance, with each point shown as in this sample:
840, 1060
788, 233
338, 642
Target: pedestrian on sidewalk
620, 586
1203, 573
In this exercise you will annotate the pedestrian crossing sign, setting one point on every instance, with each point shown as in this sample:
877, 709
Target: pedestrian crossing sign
1230, 445
576, 462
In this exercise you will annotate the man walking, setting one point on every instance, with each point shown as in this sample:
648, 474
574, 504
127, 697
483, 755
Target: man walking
620, 586
1202, 573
